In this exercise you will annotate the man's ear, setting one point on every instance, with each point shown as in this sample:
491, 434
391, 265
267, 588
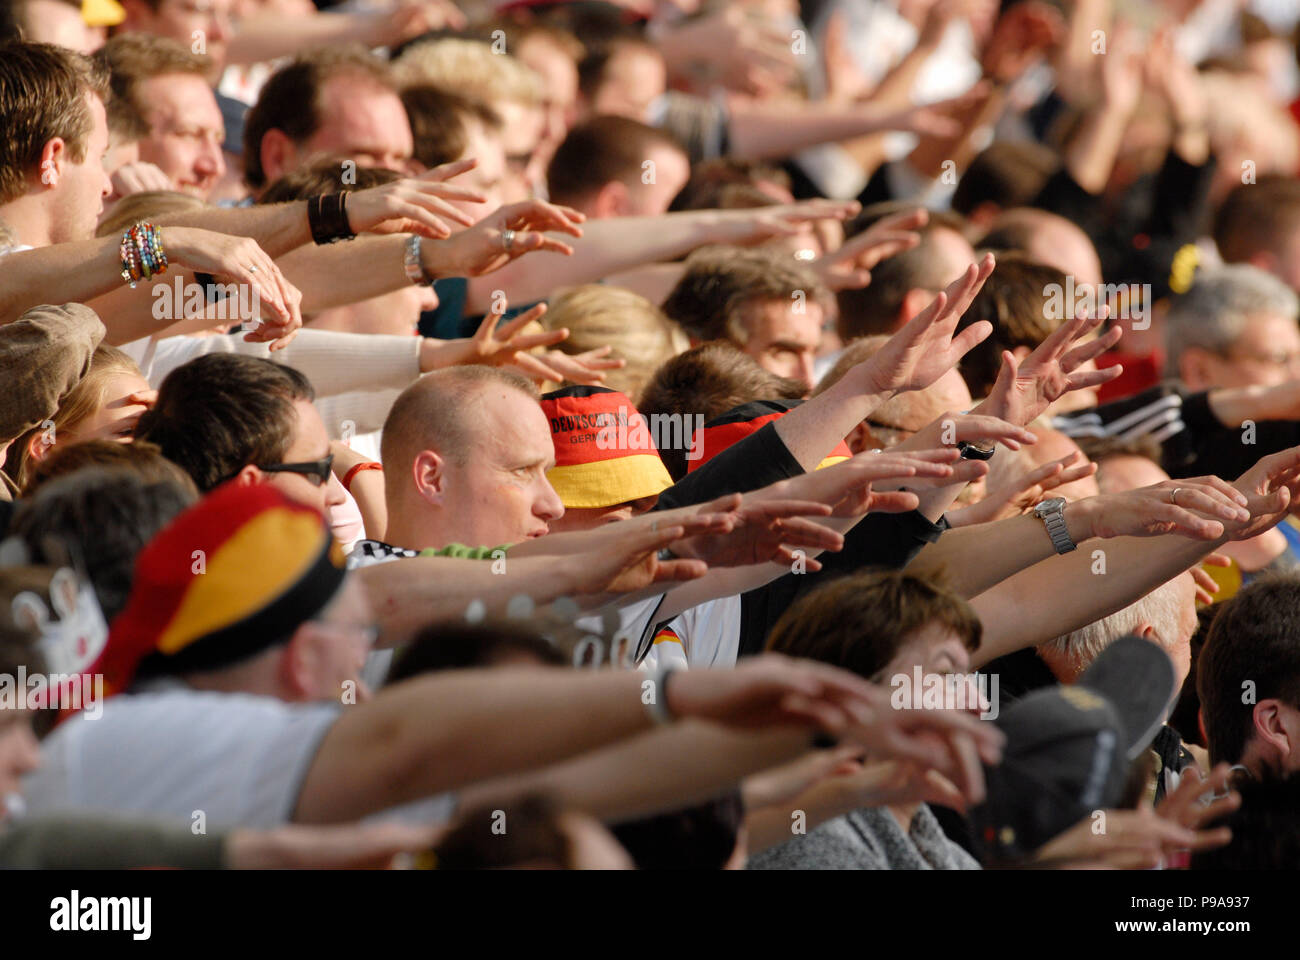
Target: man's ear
428, 472
278, 154
611, 200
861, 438
914, 301
249, 476
1272, 736
298, 662
53, 156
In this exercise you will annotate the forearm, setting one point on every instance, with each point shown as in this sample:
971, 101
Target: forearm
976, 558
408, 594
1090, 157
269, 36
1233, 406
78, 271
767, 131
606, 247
337, 274
657, 771
277, 227
813, 429
444, 732
770, 826
1083, 587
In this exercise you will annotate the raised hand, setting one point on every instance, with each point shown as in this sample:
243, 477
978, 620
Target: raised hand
928, 346
1024, 391
502, 236
848, 486
494, 344
1022, 493
243, 261
138, 177
849, 267
1271, 487
414, 204
1198, 507
766, 223
761, 531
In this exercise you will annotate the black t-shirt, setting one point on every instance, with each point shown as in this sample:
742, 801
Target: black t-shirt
1193, 443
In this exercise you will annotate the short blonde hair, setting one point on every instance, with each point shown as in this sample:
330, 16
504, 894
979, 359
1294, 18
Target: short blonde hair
146, 205
471, 69
598, 315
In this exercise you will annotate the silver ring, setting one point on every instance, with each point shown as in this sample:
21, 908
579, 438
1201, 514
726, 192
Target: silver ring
252, 269
1173, 497
507, 239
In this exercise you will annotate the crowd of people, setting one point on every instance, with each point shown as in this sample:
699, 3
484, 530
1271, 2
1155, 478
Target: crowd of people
847, 434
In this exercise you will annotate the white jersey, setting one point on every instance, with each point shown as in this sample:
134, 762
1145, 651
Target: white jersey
239, 758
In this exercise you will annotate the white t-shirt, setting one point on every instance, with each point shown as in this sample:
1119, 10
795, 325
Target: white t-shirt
239, 758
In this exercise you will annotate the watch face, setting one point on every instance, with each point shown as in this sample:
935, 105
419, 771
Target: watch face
1049, 506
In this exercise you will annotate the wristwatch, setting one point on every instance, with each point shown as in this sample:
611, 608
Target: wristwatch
1052, 513
412, 263
970, 451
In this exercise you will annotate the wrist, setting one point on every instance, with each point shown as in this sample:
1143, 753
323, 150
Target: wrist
1080, 517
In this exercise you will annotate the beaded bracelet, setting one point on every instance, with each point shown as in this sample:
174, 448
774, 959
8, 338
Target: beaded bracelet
142, 253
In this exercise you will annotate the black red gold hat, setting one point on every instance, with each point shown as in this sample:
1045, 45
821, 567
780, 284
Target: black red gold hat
230, 577
604, 452
739, 422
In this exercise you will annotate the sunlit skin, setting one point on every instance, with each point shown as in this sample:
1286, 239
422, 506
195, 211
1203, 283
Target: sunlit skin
498, 495
360, 119
205, 24
784, 337
71, 193
395, 314
186, 131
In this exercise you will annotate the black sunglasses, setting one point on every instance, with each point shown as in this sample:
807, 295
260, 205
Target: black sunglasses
318, 471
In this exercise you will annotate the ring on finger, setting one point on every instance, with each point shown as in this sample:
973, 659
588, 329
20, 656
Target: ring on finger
507, 239
1173, 497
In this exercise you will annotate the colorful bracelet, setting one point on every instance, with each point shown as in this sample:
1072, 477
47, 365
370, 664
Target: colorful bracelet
142, 253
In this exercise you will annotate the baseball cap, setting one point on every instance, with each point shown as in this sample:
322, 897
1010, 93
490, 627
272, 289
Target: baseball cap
604, 452
739, 422
102, 13
1069, 748
230, 577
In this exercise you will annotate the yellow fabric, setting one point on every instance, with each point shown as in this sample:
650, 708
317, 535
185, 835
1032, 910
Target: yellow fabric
285, 544
102, 13
607, 483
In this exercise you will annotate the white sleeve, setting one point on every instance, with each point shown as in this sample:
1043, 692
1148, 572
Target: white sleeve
365, 410
334, 362
238, 759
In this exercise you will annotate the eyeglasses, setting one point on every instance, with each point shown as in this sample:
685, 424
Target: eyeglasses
317, 471
1277, 358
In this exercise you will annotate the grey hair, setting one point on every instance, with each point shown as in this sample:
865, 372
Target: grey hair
1161, 609
1214, 312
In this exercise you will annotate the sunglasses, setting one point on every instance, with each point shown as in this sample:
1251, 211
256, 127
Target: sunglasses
317, 471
